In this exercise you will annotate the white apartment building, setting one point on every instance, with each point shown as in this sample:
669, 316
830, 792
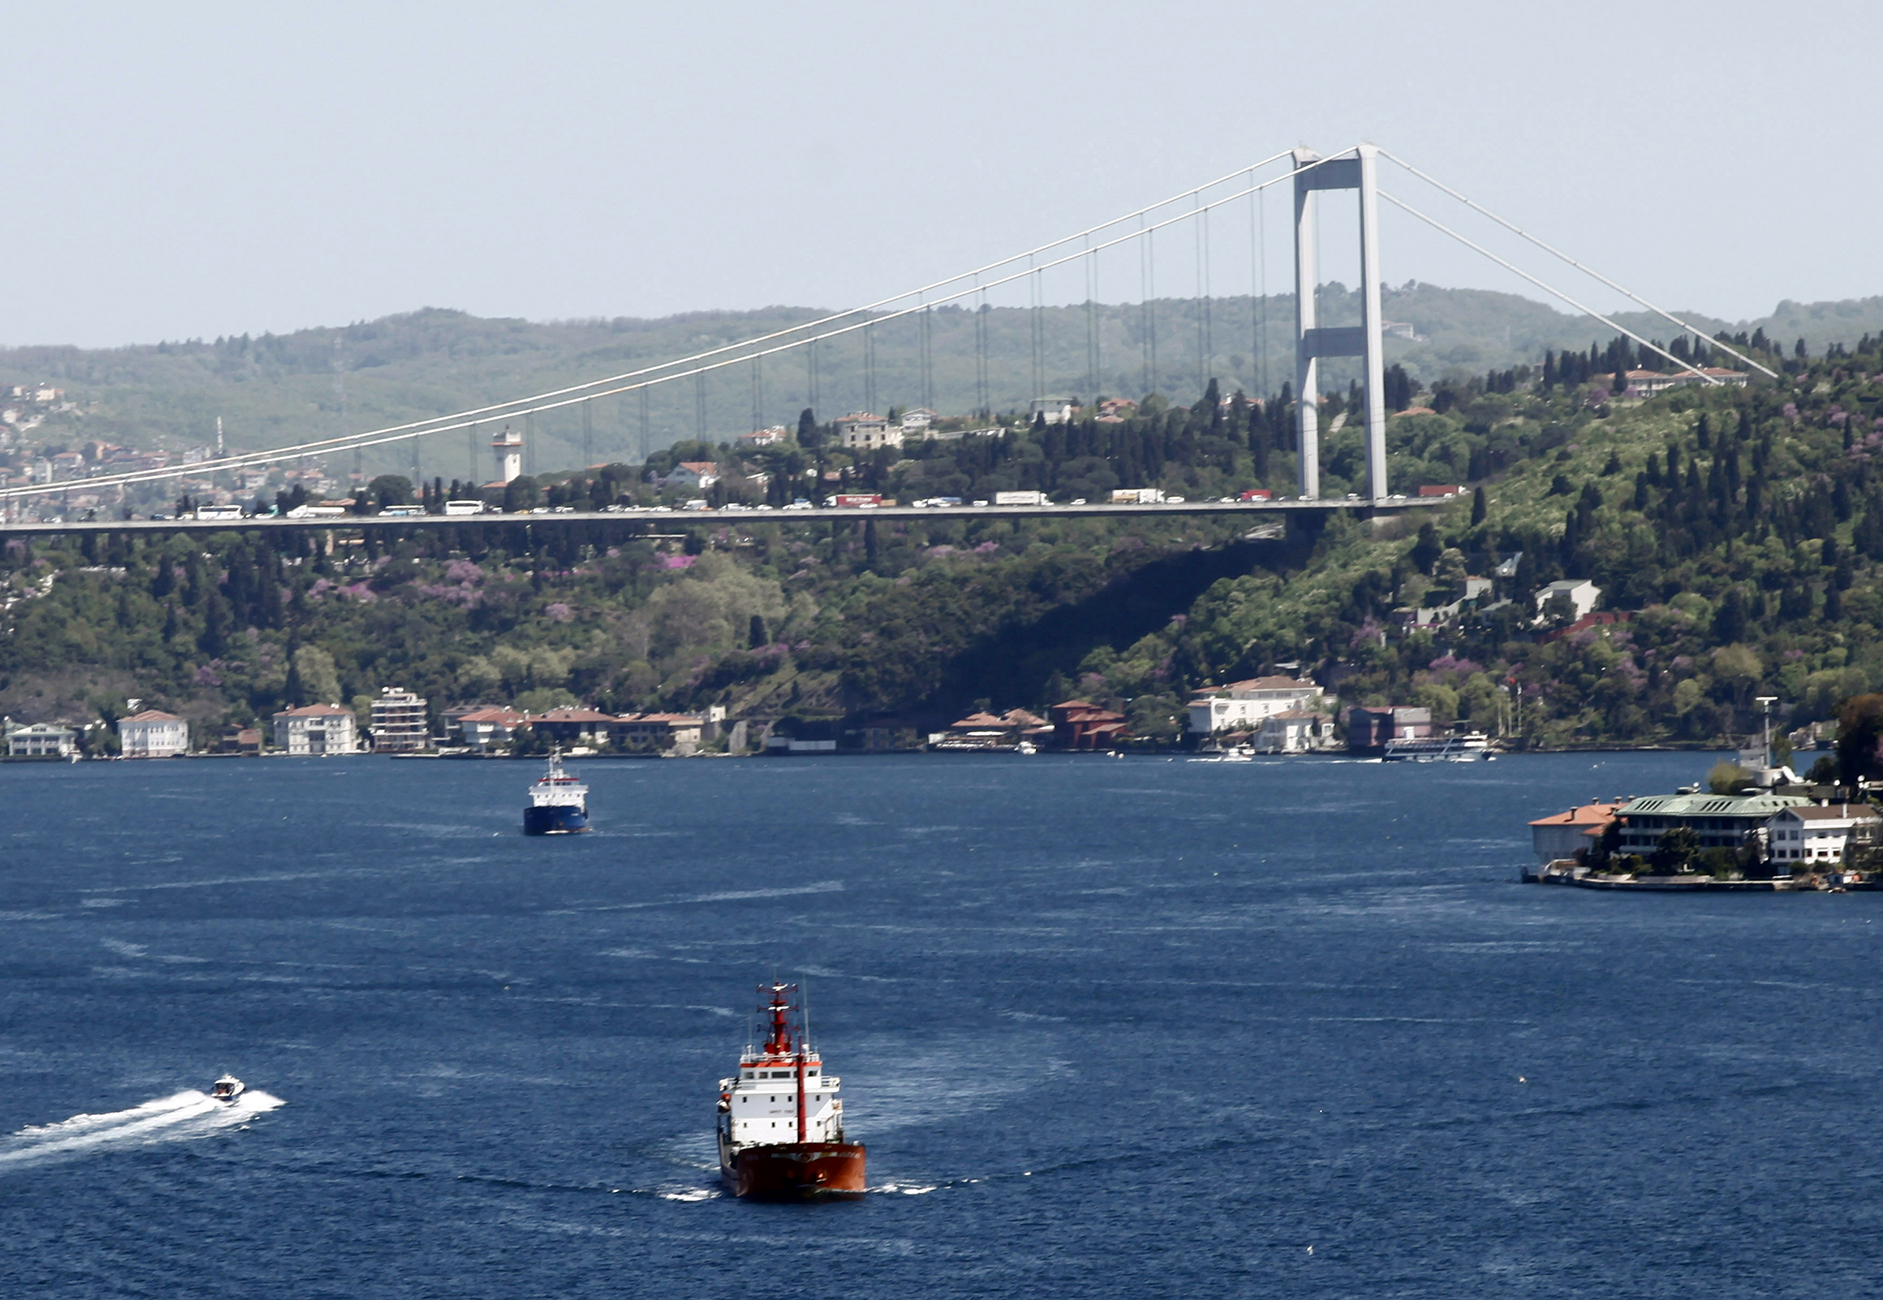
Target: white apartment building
316, 729
1243, 705
153, 734
400, 725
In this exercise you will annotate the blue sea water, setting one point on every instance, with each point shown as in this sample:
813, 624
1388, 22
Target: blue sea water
1109, 1028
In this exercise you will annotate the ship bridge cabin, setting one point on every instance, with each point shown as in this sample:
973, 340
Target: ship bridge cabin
761, 1105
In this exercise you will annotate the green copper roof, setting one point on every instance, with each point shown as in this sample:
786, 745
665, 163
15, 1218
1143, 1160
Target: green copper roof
1761, 805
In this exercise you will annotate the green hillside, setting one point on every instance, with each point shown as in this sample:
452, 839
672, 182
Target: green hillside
1735, 533
274, 390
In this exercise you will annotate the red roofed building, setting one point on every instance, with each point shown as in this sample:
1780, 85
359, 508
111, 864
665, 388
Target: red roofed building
485, 726
659, 732
1562, 835
1079, 724
153, 734
574, 726
316, 730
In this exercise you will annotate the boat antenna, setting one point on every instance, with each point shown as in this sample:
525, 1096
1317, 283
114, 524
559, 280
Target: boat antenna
804, 993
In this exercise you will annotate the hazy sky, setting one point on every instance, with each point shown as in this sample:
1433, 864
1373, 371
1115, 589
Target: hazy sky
199, 169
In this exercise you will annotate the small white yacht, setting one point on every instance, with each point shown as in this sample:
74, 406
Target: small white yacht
227, 1089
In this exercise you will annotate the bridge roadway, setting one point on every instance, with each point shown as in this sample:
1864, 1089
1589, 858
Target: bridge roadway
1251, 511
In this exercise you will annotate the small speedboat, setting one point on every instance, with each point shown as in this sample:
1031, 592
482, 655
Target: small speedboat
227, 1089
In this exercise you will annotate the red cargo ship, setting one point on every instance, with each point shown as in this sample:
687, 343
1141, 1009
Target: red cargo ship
781, 1121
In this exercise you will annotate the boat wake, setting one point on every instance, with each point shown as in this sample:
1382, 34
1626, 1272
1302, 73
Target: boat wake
182, 1116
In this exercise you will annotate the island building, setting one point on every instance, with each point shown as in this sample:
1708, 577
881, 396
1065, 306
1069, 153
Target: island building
316, 730
1720, 821
41, 740
1820, 833
1563, 835
400, 724
1240, 706
153, 734
1370, 726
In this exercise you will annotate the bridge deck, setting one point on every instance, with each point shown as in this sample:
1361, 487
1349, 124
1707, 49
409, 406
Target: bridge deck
1248, 510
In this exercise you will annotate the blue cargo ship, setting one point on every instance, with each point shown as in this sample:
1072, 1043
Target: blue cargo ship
558, 803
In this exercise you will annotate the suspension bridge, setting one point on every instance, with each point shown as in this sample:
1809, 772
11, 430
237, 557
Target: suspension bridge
1091, 257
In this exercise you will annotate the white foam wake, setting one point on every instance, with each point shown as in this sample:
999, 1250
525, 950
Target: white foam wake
178, 1117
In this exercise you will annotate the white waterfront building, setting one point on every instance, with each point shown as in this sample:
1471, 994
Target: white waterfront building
1819, 833
1243, 705
315, 730
153, 734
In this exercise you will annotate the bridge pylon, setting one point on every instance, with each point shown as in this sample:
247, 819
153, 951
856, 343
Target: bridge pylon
1357, 170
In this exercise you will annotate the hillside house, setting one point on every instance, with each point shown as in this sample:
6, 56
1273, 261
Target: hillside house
864, 431
693, 474
1583, 596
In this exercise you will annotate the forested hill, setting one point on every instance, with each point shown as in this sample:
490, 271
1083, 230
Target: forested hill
1736, 535
271, 390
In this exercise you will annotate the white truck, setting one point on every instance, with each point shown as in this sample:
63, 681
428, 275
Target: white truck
1021, 499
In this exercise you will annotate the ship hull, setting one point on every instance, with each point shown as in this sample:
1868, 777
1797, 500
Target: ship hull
554, 819
794, 1171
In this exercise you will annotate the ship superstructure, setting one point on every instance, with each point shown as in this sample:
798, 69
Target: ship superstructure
781, 1120
558, 802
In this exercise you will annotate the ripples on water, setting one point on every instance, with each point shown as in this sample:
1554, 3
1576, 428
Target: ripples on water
1109, 1028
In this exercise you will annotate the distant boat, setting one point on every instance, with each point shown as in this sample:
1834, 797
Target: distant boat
558, 802
1462, 747
227, 1089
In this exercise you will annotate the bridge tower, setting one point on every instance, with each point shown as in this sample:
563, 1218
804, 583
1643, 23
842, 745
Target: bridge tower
509, 448
1355, 171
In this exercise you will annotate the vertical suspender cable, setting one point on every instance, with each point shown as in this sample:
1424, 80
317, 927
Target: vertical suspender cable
588, 435
1258, 239
1202, 346
869, 369
1151, 272
1144, 309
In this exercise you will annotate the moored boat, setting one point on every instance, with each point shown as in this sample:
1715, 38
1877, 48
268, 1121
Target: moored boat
780, 1120
227, 1089
558, 802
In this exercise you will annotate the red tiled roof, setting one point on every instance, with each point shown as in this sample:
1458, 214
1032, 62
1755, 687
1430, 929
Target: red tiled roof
1590, 814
